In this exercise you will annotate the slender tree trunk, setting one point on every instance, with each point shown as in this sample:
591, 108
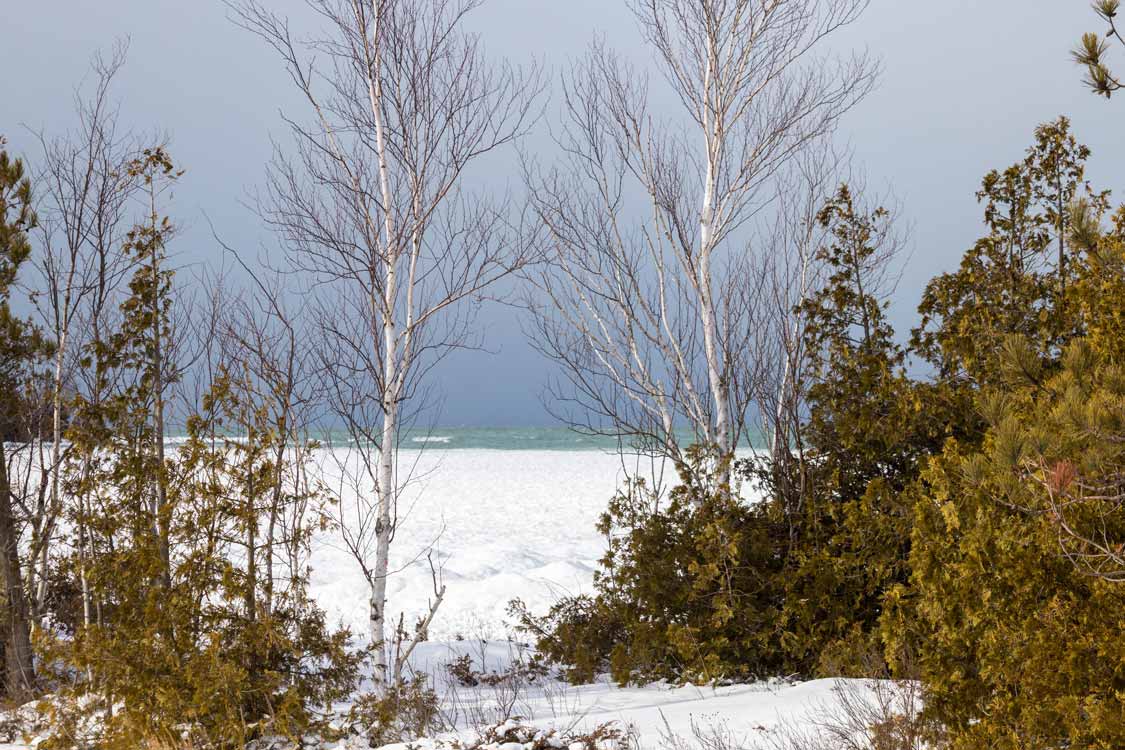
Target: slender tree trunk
56, 461
271, 533
84, 534
383, 527
84, 579
716, 373
20, 664
389, 438
38, 523
788, 388
251, 538
162, 520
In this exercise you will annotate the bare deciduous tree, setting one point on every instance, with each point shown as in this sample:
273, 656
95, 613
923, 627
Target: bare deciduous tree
790, 242
85, 194
657, 321
371, 205
264, 344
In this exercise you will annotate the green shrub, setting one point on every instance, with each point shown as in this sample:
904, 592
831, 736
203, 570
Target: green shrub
401, 713
1024, 648
681, 594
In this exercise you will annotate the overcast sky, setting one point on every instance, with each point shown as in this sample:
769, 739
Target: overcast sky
964, 84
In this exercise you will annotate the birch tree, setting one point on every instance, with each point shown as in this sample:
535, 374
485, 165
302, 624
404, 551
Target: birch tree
655, 301
372, 204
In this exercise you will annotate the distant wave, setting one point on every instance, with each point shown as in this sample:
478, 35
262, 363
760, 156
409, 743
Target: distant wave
432, 439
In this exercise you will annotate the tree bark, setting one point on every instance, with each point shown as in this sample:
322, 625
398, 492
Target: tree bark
162, 529
716, 367
383, 528
19, 658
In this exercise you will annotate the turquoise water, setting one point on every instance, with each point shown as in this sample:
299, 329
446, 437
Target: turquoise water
508, 439
493, 438
512, 439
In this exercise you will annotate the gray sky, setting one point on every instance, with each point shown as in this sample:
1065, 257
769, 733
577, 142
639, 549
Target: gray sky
964, 84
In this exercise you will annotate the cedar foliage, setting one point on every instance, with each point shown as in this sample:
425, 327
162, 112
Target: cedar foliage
966, 527
1016, 556
866, 428
1024, 649
22, 349
177, 636
680, 594
1014, 280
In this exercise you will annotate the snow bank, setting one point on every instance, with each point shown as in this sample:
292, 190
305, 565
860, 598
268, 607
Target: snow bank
650, 711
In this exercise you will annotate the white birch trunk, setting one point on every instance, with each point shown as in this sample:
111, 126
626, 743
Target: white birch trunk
389, 437
383, 524
716, 372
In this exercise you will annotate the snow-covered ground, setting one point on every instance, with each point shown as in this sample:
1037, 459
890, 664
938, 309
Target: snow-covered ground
748, 716
503, 524
508, 524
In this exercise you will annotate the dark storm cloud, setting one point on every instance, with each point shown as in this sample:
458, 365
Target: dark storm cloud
965, 83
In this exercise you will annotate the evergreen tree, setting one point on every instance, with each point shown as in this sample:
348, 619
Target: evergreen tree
1023, 648
181, 637
686, 590
1020, 526
1013, 280
21, 347
1093, 50
866, 430
129, 633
